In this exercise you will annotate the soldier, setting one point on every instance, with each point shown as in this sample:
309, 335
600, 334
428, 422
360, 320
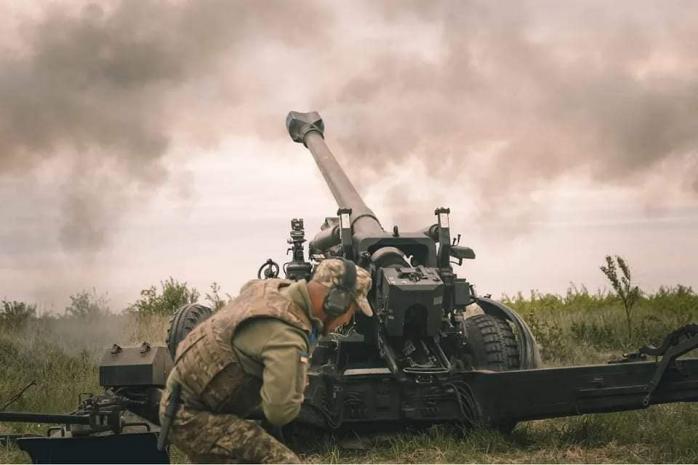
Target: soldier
256, 350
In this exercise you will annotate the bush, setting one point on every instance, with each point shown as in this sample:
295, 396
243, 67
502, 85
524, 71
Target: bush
549, 336
87, 305
584, 327
14, 315
171, 296
679, 302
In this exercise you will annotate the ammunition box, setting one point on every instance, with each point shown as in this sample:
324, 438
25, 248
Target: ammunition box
144, 365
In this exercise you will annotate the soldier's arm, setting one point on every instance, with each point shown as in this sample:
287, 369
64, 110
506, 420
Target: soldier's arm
276, 352
285, 358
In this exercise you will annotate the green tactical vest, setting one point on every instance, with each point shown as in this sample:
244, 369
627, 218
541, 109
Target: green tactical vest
206, 363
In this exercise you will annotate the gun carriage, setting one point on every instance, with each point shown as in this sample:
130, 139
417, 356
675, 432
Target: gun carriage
422, 359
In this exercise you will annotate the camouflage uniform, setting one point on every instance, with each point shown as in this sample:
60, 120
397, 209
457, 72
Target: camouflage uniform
208, 437
253, 351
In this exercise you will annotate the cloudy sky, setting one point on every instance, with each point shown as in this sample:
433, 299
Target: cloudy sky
142, 139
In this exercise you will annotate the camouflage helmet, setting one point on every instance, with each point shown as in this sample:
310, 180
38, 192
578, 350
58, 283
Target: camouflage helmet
330, 272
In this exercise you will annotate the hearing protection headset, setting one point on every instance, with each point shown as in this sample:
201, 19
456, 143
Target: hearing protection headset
341, 296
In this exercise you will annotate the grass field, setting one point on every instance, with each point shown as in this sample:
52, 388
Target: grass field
60, 355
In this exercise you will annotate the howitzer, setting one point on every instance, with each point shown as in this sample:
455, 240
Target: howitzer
422, 359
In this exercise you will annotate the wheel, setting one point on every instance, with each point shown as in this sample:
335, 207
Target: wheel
492, 344
186, 318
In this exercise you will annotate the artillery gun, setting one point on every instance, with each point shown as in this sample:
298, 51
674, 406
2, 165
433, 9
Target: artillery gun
422, 359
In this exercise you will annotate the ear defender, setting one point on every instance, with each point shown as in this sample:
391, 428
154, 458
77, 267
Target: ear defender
341, 296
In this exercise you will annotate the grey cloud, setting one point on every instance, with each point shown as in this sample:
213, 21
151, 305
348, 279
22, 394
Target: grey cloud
558, 87
503, 98
97, 85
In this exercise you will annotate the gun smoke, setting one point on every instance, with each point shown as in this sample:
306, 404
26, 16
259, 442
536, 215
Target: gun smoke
521, 94
104, 90
502, 98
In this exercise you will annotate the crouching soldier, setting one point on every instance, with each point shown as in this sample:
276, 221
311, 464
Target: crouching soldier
255, 351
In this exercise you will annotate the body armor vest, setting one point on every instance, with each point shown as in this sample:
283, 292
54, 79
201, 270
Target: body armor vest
206, 363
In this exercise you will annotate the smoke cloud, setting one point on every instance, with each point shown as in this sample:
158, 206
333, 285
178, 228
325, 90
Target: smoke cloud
502, 99
517, 95
108, 86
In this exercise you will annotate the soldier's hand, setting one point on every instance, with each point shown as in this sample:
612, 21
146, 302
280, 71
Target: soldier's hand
276, 431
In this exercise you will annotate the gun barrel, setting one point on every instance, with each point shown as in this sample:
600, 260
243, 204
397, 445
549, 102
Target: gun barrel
309, 128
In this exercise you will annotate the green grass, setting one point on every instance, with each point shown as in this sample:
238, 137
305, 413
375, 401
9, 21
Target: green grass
653, 435
581, 327
649, 436
61, 354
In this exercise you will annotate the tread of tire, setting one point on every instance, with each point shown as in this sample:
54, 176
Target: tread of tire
182, 322
496, 342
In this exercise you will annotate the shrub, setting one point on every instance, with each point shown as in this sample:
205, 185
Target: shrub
171, 296
87, 305
679, 302
549, 335
14, 315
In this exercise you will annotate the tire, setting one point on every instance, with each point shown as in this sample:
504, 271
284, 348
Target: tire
186, 318
492, 343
